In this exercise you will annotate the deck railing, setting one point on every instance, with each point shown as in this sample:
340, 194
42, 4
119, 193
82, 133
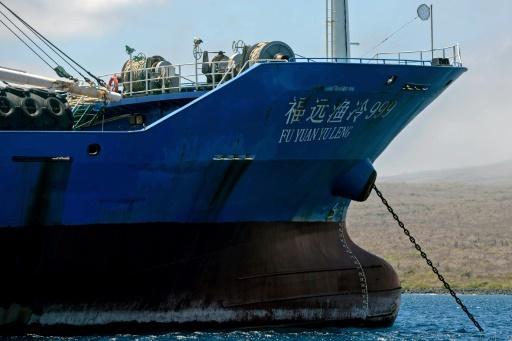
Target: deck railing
190, 77
452, 53
180, 77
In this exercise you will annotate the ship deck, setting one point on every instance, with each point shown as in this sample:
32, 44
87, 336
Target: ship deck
185, 82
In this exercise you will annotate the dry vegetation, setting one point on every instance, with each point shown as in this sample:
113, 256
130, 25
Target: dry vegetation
466, 229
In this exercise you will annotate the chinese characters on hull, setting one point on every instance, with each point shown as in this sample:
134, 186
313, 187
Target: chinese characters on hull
345, 112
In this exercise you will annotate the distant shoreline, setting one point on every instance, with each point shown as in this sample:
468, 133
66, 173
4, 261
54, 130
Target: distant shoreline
459, 291
466, 229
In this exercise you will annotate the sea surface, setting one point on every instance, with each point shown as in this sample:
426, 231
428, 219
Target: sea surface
422, 317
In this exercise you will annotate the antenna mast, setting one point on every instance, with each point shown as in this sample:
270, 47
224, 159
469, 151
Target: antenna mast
337, 33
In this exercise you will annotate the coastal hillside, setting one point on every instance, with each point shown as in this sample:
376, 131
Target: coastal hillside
495, 174
462, 218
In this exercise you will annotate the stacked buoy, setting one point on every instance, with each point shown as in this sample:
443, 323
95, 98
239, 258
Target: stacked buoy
34, 109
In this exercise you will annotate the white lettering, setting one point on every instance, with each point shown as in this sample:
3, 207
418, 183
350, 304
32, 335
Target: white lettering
286, 136
297, 111
305, 135
318, 111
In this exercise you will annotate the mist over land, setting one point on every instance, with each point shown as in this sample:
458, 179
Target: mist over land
494, 174
461, 217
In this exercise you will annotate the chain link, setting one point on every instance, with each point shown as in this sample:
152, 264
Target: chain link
361, 274
425, 257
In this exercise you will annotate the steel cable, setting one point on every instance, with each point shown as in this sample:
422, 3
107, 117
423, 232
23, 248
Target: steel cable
389, 36
53, 47
27, 45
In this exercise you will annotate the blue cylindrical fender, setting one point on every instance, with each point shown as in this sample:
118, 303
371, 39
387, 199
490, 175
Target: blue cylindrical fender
355, 183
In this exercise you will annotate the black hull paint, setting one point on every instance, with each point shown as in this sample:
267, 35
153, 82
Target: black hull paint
157, 277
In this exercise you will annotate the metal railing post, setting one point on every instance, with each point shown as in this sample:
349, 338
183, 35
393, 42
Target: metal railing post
197, 86
214, 73
179, 78
146, 81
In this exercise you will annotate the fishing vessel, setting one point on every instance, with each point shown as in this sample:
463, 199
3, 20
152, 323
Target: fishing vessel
205, 195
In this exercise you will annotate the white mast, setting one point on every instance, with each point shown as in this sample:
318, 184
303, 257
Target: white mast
338, 32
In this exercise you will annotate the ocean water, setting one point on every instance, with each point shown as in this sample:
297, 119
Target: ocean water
422, 317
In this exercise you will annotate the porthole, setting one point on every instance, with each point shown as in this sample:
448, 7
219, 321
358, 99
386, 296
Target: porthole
93, 149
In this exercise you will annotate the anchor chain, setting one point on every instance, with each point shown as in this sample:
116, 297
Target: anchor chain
427, 259
360, 272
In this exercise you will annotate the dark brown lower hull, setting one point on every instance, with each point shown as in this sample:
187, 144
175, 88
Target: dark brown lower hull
161, 276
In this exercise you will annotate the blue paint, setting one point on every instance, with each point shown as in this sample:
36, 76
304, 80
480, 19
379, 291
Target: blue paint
355, 183
222, 156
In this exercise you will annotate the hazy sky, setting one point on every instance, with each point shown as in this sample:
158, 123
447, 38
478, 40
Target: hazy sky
468, 125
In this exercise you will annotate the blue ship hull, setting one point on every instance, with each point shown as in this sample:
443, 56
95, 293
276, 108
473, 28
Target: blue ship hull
280, 149
231, 155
